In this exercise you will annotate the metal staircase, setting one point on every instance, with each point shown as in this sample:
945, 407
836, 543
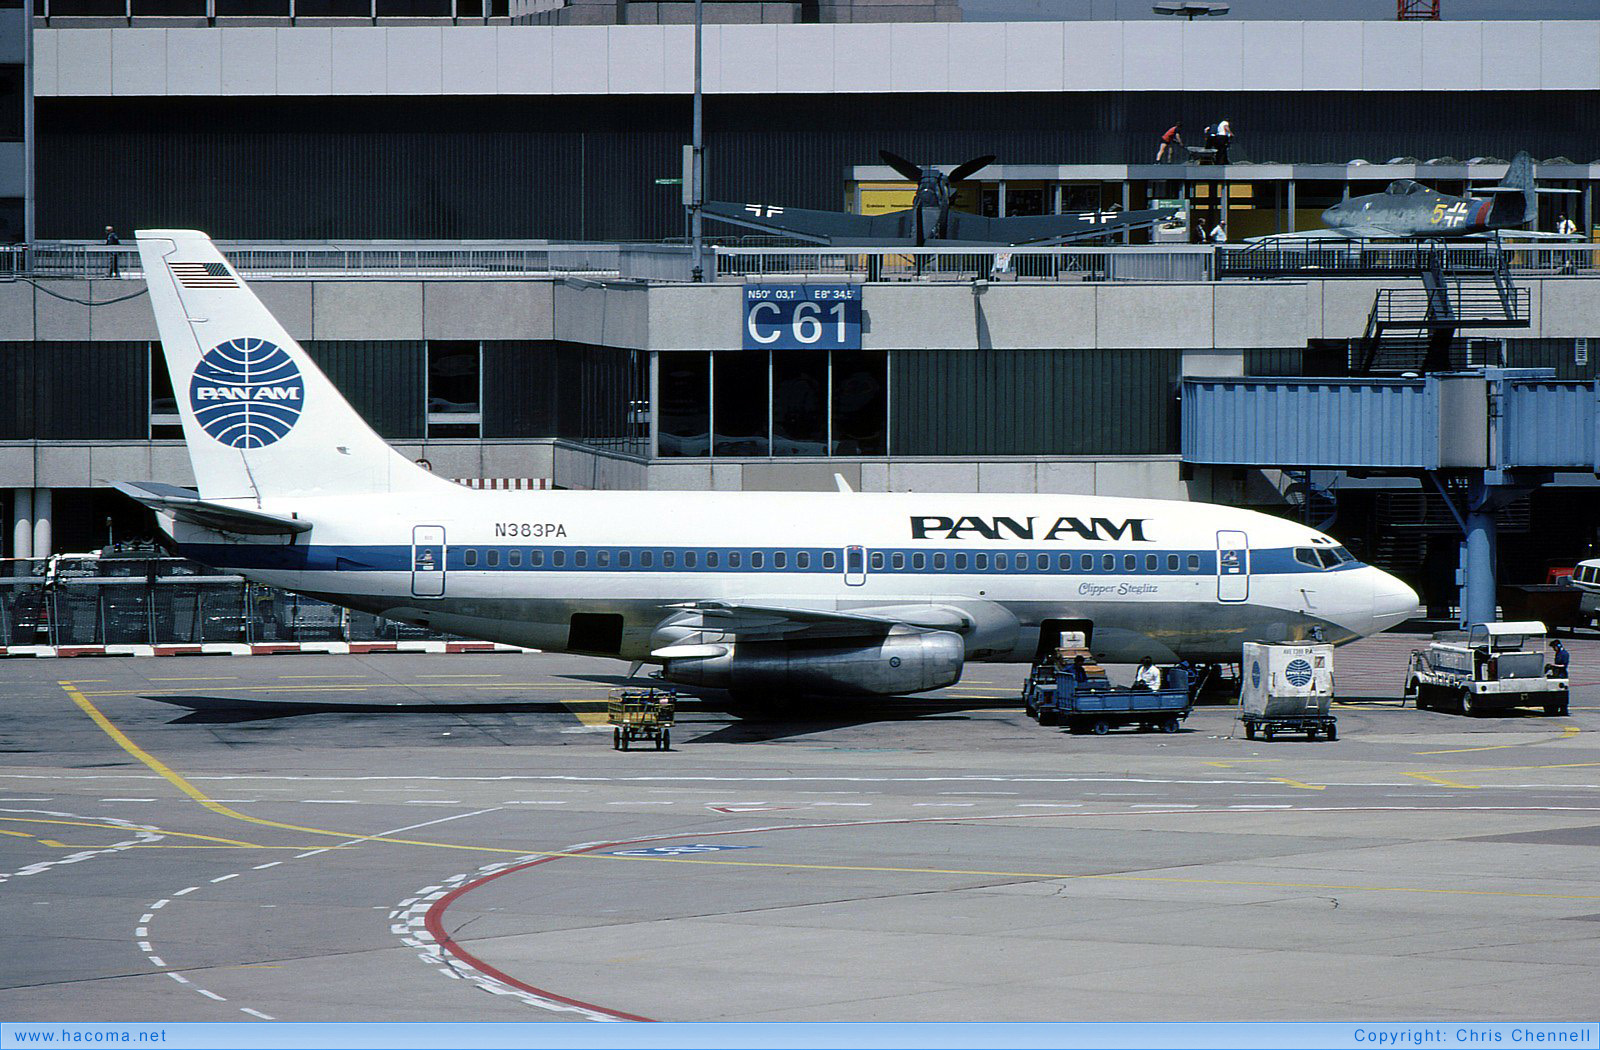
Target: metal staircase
1411, 323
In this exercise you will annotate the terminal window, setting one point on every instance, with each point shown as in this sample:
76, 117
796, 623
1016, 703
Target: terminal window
455, 389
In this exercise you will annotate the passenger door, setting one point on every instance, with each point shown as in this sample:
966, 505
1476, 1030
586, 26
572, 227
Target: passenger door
855, 566
427, 561
1233, 567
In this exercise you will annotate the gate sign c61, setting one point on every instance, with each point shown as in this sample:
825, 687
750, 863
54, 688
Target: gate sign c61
802, 317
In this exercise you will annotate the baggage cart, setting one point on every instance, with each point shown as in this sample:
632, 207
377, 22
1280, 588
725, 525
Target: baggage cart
641, 714
1287, 689
1096, 706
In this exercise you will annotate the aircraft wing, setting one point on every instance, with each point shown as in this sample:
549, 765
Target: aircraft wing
1050, 229
809, 224
186, 505
745, 622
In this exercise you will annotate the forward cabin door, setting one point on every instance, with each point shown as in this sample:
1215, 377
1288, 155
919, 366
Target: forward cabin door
427, 561
1233, 567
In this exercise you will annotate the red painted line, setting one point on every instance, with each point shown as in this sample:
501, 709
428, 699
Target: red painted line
179, 650
80, 650
363, 648
434, 922
273, 649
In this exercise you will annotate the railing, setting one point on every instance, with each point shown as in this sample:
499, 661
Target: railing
368, 259
1178, 262
253, 11
1173, 263
157, 601
1456, 306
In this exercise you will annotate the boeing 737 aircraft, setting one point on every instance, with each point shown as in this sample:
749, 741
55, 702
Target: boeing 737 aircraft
762, 593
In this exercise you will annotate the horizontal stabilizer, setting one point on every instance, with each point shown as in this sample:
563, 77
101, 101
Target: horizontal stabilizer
187, 506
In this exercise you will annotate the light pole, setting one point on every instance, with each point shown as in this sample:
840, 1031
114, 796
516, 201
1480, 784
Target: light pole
697, 166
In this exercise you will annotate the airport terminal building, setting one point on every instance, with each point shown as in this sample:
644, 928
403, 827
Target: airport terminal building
490, 335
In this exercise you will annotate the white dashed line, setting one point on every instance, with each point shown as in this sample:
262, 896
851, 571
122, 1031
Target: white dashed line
156, 960
225, 878
309, 853
181, 892
432, 802
211, 995
180, 978
268, 864
256, 1013
162, 903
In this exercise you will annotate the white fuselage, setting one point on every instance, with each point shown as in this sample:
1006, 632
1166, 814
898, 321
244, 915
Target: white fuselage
1148, 577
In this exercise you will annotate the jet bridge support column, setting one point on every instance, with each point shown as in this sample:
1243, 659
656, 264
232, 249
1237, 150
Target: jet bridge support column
1479, 548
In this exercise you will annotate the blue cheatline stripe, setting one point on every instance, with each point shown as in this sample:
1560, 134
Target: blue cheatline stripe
891, 561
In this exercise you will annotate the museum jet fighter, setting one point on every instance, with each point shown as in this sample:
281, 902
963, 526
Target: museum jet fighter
1409, 209
932, 221
762, 593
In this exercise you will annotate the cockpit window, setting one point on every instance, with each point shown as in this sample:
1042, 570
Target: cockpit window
1404, 188
1323, 557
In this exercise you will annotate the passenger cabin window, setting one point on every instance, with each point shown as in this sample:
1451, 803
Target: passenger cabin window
1000, 561
961, 560
1150, 563
558, 558
733, 559
536, 559
602, 558
898, 560
758, 560
1172, 563
877, 560
625, 559
829, 560
1042, 563
939, 561
980, 561
469, 557
1086, 562
1108, 562
780, 560
919, 561
1064, 562
493, 558
1194, 563
668, 559
580, 559
712, 558
1129, 562
689, 559
514, 559
802, 560
646, 559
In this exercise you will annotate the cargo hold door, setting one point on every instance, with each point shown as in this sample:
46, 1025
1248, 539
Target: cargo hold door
427, 561
1233, 567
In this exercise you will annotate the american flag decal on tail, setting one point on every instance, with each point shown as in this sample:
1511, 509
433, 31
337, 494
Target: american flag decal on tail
203, 275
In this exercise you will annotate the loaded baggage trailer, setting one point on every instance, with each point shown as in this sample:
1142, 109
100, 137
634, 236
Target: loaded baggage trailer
1287, 689
641, 714
1096, 706
1491, 667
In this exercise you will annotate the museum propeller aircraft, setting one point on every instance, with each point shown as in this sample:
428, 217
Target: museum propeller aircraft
840, 593
1409, 209
932, 221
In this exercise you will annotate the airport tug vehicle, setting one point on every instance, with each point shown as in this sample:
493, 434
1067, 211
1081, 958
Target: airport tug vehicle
641, 714
1490, 667
1053, 693
1287, 688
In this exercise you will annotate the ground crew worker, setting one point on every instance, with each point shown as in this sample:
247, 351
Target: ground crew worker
1148, 676
1560, 662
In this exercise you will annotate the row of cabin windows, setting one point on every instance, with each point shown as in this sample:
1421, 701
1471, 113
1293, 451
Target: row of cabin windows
537, 559
1040, 562
827, 560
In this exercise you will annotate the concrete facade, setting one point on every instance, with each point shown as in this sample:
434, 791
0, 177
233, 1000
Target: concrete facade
861, 57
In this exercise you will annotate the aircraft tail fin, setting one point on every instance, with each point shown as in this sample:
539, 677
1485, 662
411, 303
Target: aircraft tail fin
1518, 181
260, 418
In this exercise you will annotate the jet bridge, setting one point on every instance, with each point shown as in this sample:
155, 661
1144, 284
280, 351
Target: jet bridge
1481, 439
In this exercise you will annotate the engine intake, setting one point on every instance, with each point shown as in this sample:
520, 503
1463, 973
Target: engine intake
908, 662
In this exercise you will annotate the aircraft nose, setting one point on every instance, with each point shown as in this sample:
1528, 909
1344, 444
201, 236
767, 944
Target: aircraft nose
1330, 216
1392, 601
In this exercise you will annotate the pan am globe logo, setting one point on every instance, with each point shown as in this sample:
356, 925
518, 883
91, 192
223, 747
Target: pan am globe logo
1298, 672
1255, 674
247, 393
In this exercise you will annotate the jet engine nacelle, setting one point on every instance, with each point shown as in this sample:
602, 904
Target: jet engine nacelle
909, 662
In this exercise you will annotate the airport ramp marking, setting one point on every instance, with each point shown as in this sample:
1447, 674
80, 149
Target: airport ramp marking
1567, 733
176, 780
1301, 784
